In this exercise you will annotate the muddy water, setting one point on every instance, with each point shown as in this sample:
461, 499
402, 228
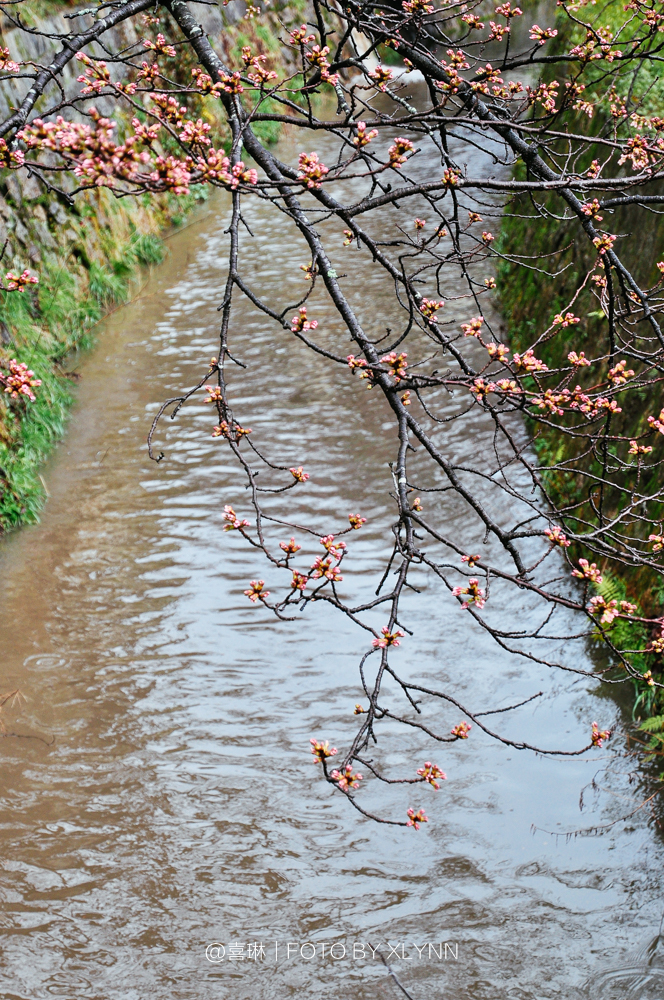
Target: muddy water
172, 803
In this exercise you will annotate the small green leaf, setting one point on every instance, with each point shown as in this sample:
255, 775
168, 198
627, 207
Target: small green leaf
332, 273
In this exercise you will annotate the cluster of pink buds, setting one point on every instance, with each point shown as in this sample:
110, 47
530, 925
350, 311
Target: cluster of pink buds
527, 362
540, 35
290, 547
557, 536
471, 560
569, 319
19, 381
473, 328
334, 548
578, 360
388, 638
604, 243
620, 373
260, 75
346, 779
234, 523
429, 308
588, 571
215, 168
311, 170
607, 610
160, 46
317, 57
592, 210
498, 352
299, 581
419, 224
171, 174
356, 521
234, 433
639, 449
321, 751
473, 594
461, 730
636, 151
10, 159
430, 773
451, 178
415, 818
658, 542
657, 424
363, 138
598, 735
417, 7
213, 393
657, 644
231, 84
18, 282
7, 64
397, 364
381, 76
324, 567
256, 591
299, 475
204, 82
397, 152
299, 36
96, 75
196, 132
300, 323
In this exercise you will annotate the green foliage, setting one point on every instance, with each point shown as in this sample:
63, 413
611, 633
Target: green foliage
45, 326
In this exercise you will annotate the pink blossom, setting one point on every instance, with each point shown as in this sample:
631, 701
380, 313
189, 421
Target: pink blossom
415, 818
363, 138
18, 282
256, 591
473, 594
19, 381
397, 152
557, 536
301, 323
381, 77
598, 735
299, 581
346, 779
10, 158
397, 364
527, 362
321, 751
388, 639
639, 449
290, 547
473, 328
299, 475
311, 170
356, 521
233, 520
429, 308
7, 64
588, 571
461, 730
430, 773
540, 35
657, 424
160, 46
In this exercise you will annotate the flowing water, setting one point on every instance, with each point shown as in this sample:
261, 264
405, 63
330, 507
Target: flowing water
171, 803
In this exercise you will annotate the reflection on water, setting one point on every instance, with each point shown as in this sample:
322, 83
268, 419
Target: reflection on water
177, 805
